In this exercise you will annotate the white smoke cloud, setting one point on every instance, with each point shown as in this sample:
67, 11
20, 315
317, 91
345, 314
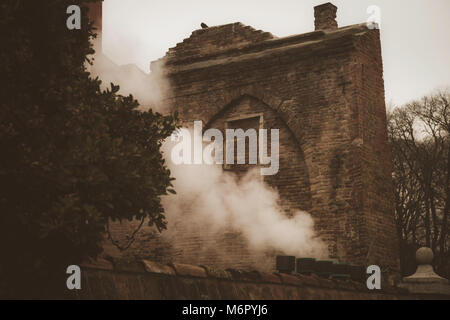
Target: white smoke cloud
147, 88
209, 198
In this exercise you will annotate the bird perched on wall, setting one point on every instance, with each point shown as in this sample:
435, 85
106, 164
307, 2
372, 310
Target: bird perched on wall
204, 26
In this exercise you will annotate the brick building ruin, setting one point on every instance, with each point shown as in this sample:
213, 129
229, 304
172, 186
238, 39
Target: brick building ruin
324, 90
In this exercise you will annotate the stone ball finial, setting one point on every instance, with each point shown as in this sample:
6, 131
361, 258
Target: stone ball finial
425, 280
424, 256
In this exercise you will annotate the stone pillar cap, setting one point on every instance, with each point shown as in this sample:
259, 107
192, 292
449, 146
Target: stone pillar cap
425, 272
425, 280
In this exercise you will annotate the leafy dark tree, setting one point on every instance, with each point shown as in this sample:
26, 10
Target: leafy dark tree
72, 156
419, 135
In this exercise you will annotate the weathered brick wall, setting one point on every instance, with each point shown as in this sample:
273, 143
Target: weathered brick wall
226, 249
378, 192
325, 92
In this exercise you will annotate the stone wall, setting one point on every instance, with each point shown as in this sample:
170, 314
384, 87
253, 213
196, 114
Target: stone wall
154, 281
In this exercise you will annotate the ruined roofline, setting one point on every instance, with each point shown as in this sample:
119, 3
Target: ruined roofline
232, 24
175, 64
215, 39
234, 28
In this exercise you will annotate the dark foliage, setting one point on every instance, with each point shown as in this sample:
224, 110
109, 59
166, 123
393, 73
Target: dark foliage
72, 156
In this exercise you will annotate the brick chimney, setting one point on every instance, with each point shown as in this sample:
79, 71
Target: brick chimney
325, 17
95, 15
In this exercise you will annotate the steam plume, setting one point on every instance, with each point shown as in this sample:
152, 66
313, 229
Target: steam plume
210, 201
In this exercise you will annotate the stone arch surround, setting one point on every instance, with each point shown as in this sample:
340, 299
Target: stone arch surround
292, 181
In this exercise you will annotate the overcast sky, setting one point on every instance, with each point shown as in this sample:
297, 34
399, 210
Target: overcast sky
415, 34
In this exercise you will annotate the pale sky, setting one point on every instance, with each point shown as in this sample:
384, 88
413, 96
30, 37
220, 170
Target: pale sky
415, 34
